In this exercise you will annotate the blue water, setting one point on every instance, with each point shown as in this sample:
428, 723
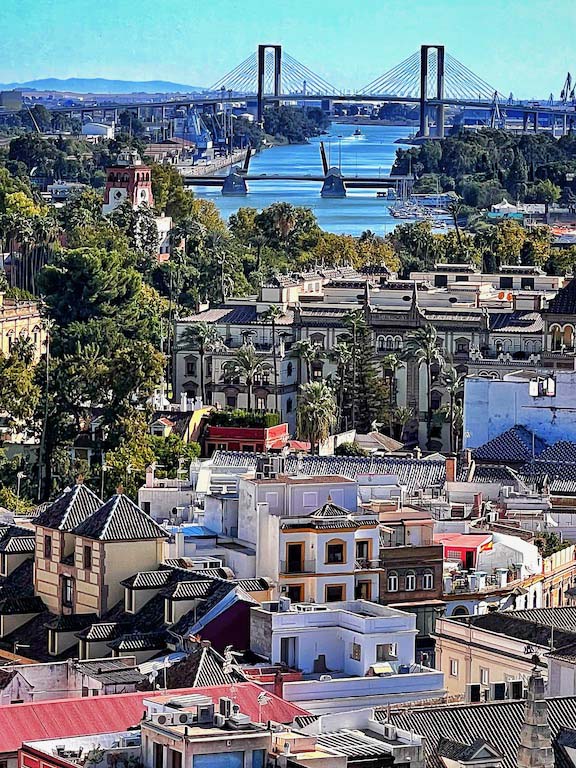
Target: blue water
371, 154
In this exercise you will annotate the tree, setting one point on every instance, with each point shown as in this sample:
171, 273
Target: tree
421, 346
392, 362
350, 449
170, 195
247, 365
205, 338
455, 210
402, 417
516, 182
316, 414
306, 351
341, 354
454, 384
273, 314
546, 192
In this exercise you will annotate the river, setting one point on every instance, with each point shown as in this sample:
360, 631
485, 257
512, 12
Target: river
370, 154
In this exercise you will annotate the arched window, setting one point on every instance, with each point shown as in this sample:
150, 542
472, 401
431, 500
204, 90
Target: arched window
568, 336
318, 339
380, 344
556, 335
335, 552
289, 405
289, 369
392, 581
428, 580
317, 369
389, 342
398, 342
460, 610
125, 177
410, 584
435, 400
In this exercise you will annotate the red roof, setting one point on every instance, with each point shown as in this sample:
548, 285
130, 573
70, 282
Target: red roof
61, 718
463, 540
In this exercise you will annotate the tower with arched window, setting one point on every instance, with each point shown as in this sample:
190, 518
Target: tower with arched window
128, 179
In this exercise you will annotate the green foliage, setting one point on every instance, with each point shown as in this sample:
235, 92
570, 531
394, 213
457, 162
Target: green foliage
350, 449
170, 195
9, 500
240, 418
549, 542
316, 413
293, 124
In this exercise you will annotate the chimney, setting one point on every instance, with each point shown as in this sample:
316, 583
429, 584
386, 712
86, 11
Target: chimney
417, 453
183, 402
150, 476
450, 469
467, 457
278, 684
477, 505
535, 748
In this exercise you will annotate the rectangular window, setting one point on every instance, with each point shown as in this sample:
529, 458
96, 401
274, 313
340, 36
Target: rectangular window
87, 557
158, 756
334, 553
191, 367
67, 592
334, 593
484, 676
387, 652
506, 283
527, 283
3, 564
52, 642
231, 401
310, 499
48, 547
146, 507
454, 667
440, 281
129, 601
294, 592
361, 550
461, 278
363, 590
356, 652
175, 758
169, 612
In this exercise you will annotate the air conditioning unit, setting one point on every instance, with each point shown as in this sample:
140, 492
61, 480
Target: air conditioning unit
219, 720
473, 693
239, 718
205, 714
498, 691
225, 706
163, 718
184, 718
284, 604
516, 689
390, 732
325, 678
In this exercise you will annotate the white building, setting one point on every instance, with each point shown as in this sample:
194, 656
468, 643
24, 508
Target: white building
98, 131
352, 654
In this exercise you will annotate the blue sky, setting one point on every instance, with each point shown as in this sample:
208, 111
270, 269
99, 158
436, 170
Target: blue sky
524, 46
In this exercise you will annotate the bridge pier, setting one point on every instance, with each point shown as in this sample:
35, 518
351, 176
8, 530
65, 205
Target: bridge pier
262, 75
333, 184
234, 185
439, 90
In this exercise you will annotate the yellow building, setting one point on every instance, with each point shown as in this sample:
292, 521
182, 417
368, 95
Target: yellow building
20, 319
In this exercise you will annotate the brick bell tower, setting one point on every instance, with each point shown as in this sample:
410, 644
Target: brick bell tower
130, 180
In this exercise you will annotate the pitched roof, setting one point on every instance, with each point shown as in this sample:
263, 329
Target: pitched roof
520, 627
330, 510
493, 473
563, 450
564, 303
501, 722
62, 718
561, 475
119, 519
514, 445
202, 666
69, 509
21, 605
19, 545
561, 618
517, 322
146, 641
413, 473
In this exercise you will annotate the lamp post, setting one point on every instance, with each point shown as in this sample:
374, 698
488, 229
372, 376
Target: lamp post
19, 477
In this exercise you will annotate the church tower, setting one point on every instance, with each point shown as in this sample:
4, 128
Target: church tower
535, 750
130, 180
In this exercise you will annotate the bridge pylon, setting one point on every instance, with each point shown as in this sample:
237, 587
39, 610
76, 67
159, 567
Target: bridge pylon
277, 82
438, 89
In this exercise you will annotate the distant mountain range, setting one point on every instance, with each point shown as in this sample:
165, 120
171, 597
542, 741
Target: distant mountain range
102, 85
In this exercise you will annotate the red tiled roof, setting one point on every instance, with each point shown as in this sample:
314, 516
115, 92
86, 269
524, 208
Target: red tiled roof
61, 718
462, 540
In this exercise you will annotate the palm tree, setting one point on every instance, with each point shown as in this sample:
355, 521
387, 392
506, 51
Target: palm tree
273, 314
247, 365
316, 413
259, 241
307, 351
341, 354
402, 416
421, 345
285, 219
453, 383
204, 338
392, 362
216, 244
455, 209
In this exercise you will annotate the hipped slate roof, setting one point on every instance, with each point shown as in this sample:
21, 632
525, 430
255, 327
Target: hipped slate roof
413, 473
202, 667
514, 445
120, 520
500, 722
564, 303
70, 509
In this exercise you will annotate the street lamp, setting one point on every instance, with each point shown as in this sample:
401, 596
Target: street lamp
103, 469
19, 477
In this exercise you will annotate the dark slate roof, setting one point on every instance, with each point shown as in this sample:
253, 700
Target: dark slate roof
110, 671
514, 445
189, 590
101, 631
72, 623
330, 510
9, 531
18, 545
70, 509
561, 618
563, 450
212, 597
561, 475
500, 722
245, 314
332, 523
19, 605
490, 473
462, 752
254, 585
34, 634
519, 627
564, 303
119, 519
303, 720
203, 666
517, 322
566, 653
20, 582
356, 745
149, 579
565, 741
145, 641
413, 473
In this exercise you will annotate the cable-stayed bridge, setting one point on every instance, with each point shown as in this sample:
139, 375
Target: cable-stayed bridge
430, 78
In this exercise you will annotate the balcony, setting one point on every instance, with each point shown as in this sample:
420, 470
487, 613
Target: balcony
291, 568
364, 564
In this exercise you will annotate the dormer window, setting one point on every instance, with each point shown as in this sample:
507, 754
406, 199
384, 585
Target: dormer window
48, 547
129, 601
